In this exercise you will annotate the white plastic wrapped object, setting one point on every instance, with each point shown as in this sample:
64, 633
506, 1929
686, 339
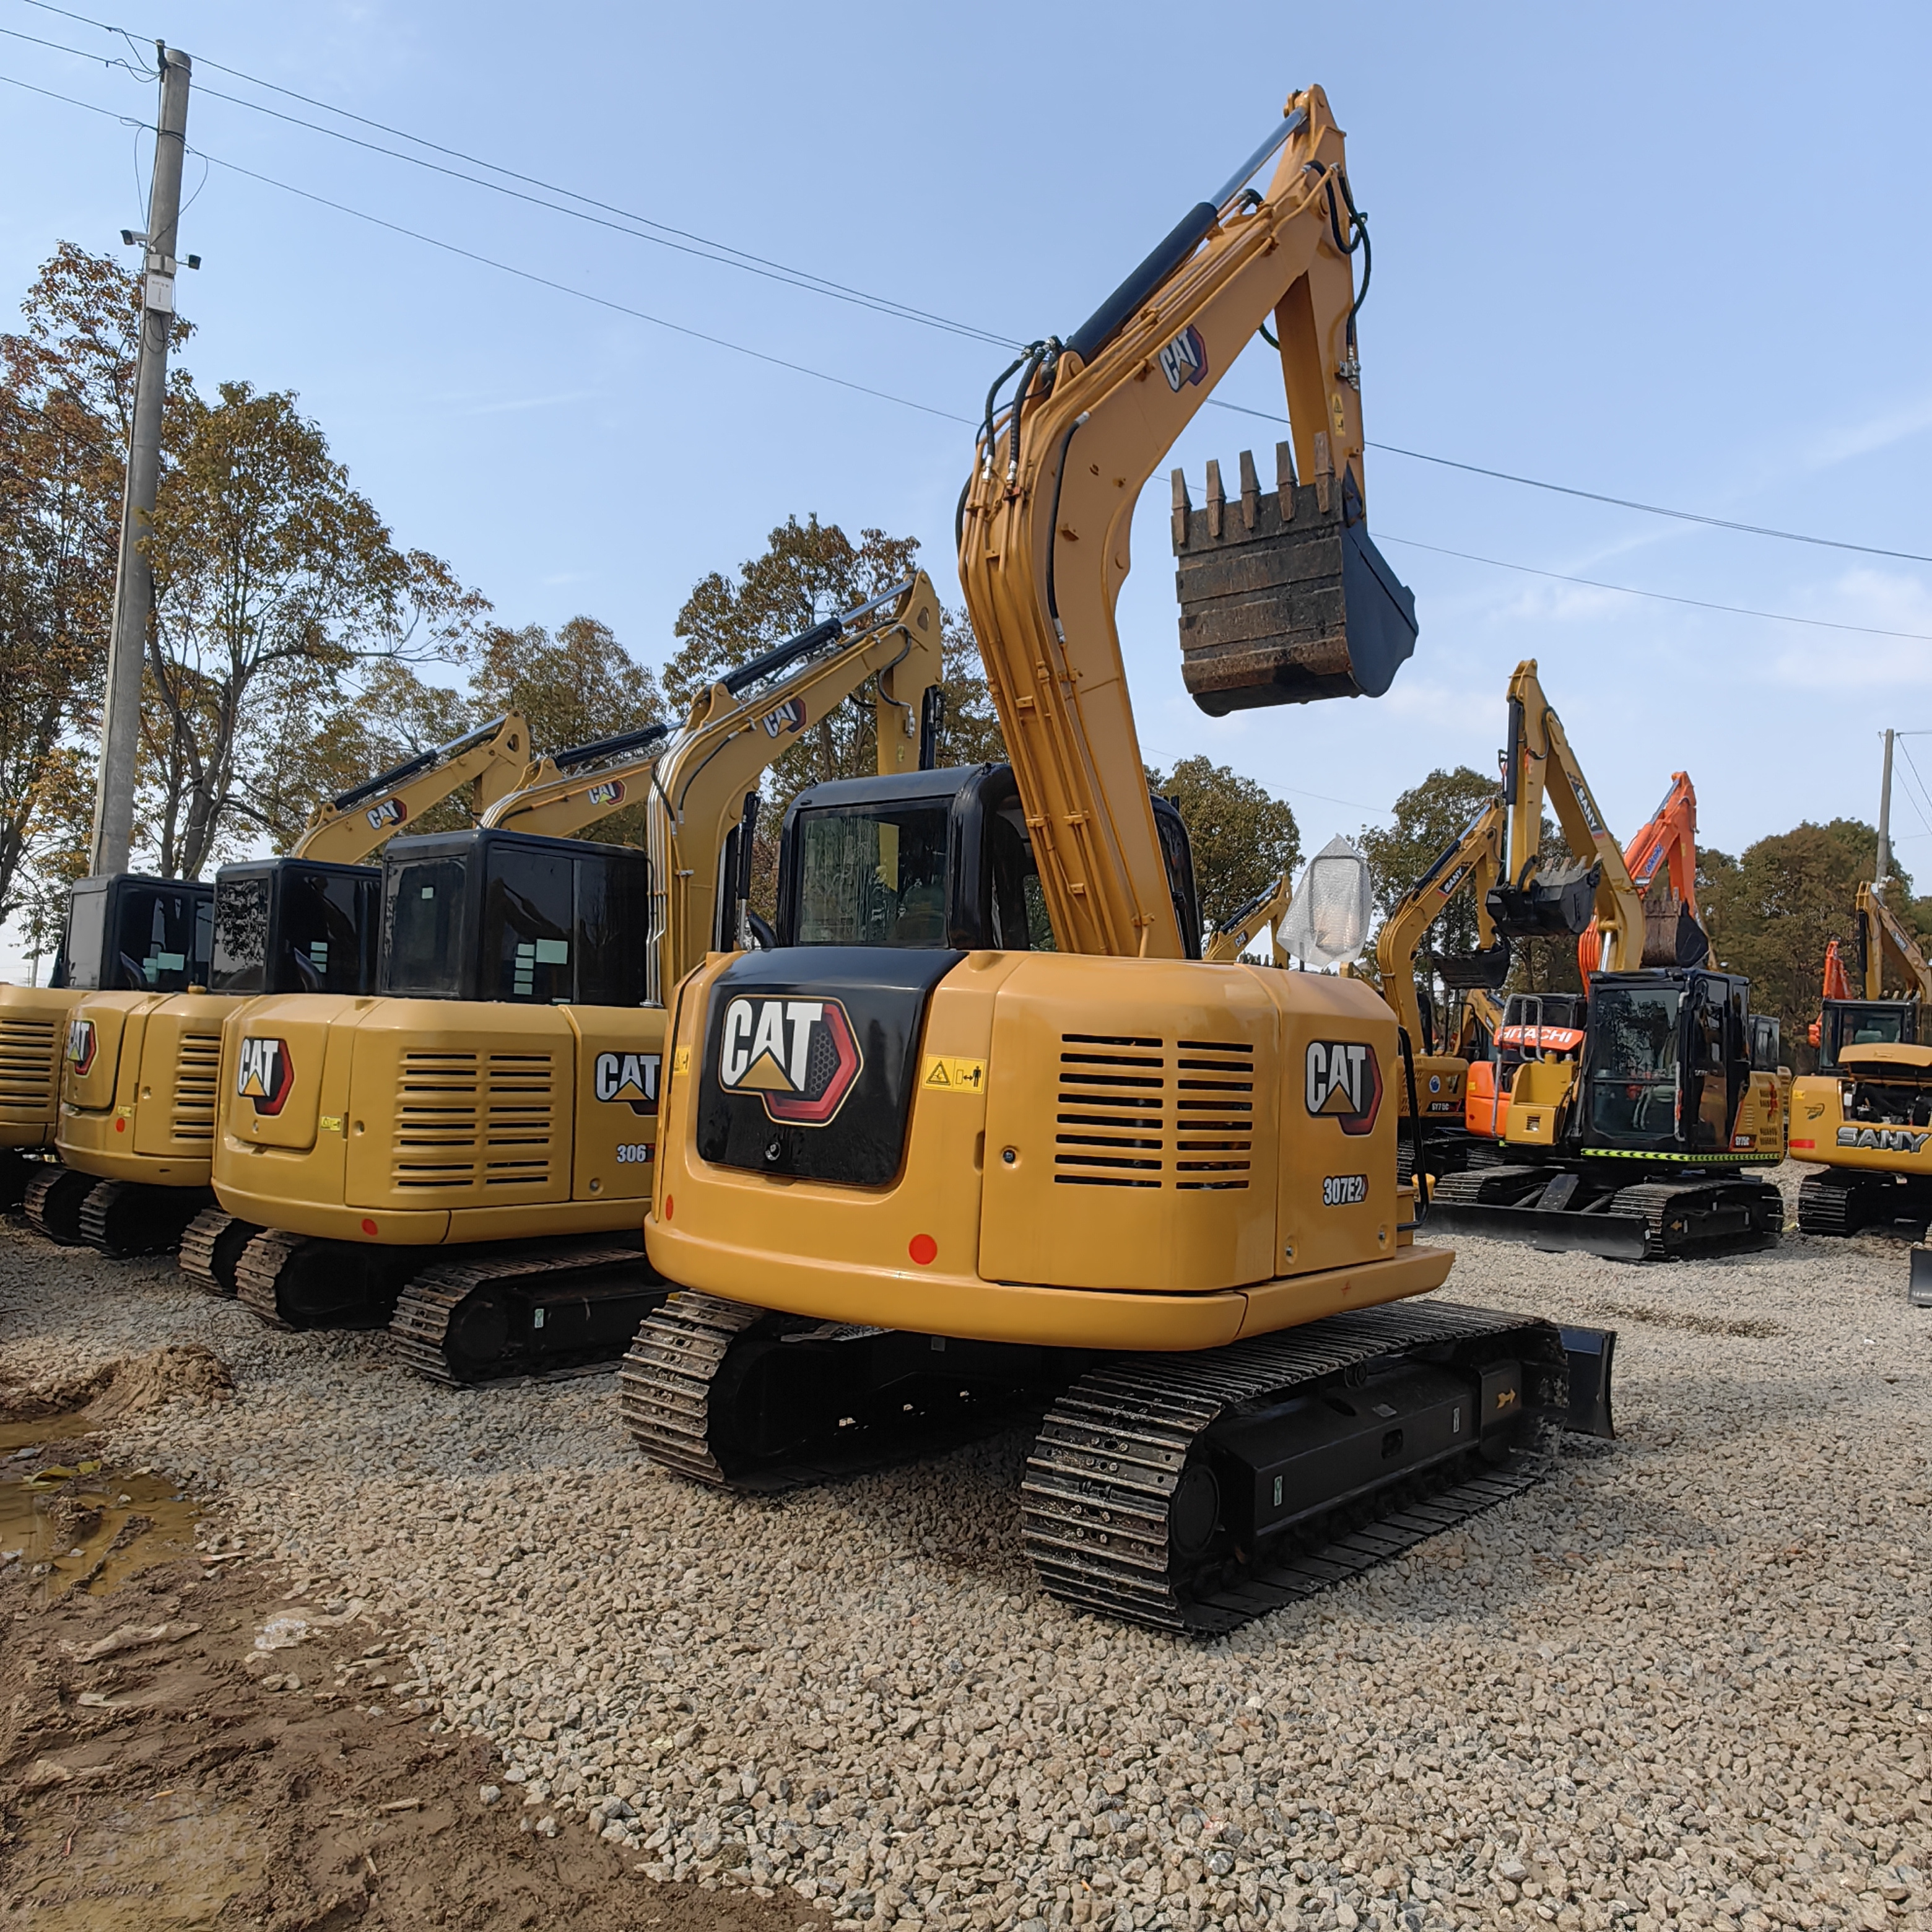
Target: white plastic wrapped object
1327, 919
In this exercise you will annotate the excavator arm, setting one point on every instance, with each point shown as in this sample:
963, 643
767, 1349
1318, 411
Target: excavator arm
1523, 905
1267, 908
705, 785
1045, 518
1473, 865
563, 792
490, 759
1884, 942
1662, 861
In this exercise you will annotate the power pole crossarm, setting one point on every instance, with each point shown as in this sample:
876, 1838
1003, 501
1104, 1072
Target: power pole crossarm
134, 580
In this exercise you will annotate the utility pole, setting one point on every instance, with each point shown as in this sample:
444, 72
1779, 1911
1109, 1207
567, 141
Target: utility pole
134, 577
1884, 817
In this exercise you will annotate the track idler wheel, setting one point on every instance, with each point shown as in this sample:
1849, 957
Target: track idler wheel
51, 1203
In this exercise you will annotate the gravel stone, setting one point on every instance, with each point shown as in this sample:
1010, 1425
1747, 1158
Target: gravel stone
1682, 1683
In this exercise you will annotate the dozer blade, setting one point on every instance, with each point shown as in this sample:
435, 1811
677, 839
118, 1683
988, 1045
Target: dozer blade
1919, 1293
1284, 598
1618, 1238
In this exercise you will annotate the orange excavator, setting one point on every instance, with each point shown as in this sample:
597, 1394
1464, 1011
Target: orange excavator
1662, 861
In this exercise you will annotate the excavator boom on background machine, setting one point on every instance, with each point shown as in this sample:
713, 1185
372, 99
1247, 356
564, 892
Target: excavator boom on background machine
1032, 1150
156, 965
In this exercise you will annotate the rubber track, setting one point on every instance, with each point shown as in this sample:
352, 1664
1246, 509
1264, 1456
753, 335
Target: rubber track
1651, 1201
33, 1203
197, 1248
422, 1321
257, 1273
1466, 1189
1829, 1204
663, 1387
93, 1211
1104, 1469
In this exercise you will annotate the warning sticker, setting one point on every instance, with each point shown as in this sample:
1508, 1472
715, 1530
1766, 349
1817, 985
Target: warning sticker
950, 1075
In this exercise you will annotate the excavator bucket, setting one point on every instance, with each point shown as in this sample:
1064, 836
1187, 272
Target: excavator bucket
1671, 936
1284, 599
1562, 900
1484, 971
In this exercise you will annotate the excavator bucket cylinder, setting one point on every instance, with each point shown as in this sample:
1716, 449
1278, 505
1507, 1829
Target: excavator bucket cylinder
1284, 599
1562, 900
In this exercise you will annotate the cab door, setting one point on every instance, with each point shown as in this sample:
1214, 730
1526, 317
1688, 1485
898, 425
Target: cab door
1707, 1069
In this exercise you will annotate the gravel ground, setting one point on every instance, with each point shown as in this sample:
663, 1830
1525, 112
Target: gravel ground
1685, 1680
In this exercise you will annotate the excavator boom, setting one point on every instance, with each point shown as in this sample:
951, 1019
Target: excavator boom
492, 758
1662, 861
1046, 516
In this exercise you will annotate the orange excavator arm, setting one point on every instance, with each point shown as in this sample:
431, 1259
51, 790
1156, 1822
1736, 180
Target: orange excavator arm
1666, 843
1045, 517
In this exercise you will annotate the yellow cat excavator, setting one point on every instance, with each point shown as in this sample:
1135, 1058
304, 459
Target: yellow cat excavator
904, 1186
1865, 1118
499, 1096
153, 966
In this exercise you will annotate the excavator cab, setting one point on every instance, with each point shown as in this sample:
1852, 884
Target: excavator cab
294, 926
130, 933
510, 917
936, 859
1846, 1023
1668, 1061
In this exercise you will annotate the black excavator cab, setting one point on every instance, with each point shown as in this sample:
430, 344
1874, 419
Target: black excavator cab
934, 859
1846, 1023
1667, 1059
127, 932
295, 926
495, 915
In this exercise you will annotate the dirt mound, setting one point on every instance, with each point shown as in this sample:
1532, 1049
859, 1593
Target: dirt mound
135, 1385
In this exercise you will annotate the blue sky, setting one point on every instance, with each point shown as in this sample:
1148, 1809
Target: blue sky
1678, 254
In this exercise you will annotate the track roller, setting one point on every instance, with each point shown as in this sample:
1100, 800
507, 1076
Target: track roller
51, 1203
211, 1245
122, 1218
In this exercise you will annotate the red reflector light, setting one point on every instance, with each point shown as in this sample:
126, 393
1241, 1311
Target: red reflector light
923, 1248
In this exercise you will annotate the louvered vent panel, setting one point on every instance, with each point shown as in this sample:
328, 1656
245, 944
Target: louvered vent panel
1214, 1113
520, 1121
1110, 1122
197, 1075
29, 1051
437, 1116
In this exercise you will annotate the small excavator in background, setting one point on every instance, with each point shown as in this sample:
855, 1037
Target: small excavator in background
1005, 1161
154, 966
1865, 1116
1636, 1109
498, 1096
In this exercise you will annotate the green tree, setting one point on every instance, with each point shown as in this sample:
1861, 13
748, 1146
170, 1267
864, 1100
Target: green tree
1428, 818
1243, 837
274, 580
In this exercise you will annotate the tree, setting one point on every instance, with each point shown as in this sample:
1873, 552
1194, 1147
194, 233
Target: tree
273, 580
66, 400
1244, 837
1771, 913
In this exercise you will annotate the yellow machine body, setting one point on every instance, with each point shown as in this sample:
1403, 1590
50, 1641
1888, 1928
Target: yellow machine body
1244, 1209
33, 1034
417, 1122
139, 1076
1825, 1131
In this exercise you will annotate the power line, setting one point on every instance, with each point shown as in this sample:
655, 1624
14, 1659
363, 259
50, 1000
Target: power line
1661, 596
584, 295
687, 242
1597, 497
